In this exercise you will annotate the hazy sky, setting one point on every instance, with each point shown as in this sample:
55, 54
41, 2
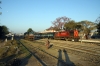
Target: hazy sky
19, 15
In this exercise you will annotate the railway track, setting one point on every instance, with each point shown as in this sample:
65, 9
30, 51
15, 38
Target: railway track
88, 49
76, 45
44, 58
88, 53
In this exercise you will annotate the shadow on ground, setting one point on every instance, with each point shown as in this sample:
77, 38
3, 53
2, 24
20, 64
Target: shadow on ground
25, 60
12, 61
67, 61
5, 61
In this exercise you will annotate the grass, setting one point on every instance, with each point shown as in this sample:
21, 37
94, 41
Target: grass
24, 52
26, 41
11, 51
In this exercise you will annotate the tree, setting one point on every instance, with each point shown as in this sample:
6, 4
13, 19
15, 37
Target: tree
98, 28
3, 31
58, 24
30, 30
98, 25
87, 26
78, 26
70, 25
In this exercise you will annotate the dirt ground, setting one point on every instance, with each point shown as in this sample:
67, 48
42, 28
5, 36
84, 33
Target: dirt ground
68, 58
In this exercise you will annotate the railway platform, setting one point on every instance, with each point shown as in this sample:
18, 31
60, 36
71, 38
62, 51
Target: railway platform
91, 40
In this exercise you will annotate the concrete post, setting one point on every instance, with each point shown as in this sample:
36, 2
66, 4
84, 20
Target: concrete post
12, 38
81, 39
6, 40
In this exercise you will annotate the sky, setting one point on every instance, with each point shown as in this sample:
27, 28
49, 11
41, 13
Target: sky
20, 15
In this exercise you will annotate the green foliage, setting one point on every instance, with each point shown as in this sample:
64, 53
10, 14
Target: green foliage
72, 25
87, 26
98, 25
78, 26
3, 31
98, 28
30, 31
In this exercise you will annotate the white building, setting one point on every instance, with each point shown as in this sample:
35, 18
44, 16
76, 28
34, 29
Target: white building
46, 31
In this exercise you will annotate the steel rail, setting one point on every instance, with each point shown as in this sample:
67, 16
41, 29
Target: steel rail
42, 63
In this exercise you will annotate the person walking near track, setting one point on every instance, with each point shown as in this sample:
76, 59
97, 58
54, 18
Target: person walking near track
47, 44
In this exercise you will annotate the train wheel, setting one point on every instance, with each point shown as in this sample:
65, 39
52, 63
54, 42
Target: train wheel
76, 40
66, 39
69, 39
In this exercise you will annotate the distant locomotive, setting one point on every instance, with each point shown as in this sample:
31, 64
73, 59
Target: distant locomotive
29, 36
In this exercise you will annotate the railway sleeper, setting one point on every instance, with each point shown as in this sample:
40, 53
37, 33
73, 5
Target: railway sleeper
86, 56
